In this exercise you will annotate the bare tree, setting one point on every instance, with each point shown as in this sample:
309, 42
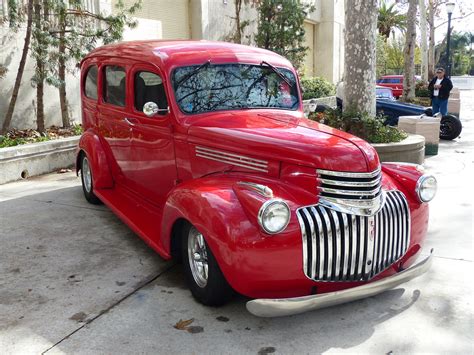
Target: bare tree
360, 55
21, 69
409, 53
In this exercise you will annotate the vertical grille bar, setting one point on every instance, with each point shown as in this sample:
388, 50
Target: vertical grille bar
336, 233
305, 243
313, 244
345, 268
353, 242
320, 243
329, 241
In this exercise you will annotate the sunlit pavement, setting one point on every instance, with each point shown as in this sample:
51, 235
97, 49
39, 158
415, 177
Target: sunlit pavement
74, 279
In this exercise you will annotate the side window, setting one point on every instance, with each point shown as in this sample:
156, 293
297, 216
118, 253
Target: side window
114, 85
149, 87
90, 84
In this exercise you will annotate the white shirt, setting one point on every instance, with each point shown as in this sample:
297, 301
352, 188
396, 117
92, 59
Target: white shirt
436, 91
340, 90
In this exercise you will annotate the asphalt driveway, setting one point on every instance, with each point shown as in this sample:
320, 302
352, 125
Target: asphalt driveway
75, 279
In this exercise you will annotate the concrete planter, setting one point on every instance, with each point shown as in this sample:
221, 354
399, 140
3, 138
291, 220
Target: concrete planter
22, 161
410, 150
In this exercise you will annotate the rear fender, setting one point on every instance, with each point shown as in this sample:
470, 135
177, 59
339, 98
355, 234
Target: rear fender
90, 145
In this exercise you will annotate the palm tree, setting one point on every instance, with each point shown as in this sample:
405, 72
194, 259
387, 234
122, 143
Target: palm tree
389, 18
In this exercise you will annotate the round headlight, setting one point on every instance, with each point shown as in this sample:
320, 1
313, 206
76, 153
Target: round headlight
426, 188
274, 216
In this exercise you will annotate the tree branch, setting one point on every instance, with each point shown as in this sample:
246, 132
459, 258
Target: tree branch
455, 18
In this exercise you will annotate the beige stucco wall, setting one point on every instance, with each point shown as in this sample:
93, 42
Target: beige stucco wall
24, 116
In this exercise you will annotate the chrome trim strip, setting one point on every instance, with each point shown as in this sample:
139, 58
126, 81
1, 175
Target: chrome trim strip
233, 159
350, 192
351, 183
263, 190
280, 307
350, 174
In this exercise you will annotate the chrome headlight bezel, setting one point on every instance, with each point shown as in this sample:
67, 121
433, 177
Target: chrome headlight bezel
421, 184
264, 209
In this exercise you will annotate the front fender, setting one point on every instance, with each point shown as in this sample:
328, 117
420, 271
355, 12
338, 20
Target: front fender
91, 145
225, 212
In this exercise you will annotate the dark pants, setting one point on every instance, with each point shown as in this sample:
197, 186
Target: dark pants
439, 105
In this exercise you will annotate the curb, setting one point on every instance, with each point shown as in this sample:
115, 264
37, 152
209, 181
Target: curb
22, 161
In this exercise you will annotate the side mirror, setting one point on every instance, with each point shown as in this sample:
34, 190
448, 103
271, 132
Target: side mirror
150, 109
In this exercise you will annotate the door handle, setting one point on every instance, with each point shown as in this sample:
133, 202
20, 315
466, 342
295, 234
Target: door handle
131, 121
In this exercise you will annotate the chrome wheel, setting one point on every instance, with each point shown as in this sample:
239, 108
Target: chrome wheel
197, 255
86, 175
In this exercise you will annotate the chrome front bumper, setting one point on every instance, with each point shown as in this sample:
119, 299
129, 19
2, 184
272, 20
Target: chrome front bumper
288, 306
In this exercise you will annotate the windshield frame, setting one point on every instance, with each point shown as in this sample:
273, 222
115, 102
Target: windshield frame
298, 103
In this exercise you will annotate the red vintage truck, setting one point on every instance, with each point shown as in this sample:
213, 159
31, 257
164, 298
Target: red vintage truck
202, 148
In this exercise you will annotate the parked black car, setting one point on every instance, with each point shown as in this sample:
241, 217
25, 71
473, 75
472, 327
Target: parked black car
450, 127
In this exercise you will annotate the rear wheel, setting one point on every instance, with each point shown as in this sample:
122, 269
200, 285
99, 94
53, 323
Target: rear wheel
206, 281
450, 127
87, 184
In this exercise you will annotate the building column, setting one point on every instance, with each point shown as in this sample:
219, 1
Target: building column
329, 39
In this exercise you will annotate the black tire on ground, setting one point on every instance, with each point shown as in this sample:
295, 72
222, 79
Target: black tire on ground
450, 127
86, 179
214, 290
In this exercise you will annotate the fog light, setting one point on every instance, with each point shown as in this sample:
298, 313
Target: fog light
426, 188
274, 216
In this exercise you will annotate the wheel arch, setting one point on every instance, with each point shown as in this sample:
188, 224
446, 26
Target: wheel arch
91, 146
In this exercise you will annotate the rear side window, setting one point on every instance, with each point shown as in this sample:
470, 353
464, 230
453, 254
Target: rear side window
90, 84
114, 85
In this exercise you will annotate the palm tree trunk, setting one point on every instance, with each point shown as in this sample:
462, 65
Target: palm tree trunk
424, 44
359, 56
431, 44
21, 69
409, 53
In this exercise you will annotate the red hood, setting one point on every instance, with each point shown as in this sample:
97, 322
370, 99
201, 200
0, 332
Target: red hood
284, 137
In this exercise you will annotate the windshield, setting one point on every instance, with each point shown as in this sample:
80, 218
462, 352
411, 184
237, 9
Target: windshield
233, 86
383, 93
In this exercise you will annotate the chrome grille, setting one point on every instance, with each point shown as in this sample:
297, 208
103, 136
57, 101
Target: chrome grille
355, 193
344, 247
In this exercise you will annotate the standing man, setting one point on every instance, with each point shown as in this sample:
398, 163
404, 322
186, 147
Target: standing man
440, 87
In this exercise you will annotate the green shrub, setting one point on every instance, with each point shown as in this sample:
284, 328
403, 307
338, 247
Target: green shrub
363, 126
421, 89
316, 87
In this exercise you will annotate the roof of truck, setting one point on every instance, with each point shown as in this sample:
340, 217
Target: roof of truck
186, 52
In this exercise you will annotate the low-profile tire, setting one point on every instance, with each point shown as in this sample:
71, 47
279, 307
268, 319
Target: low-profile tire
87, 184
205, 279
450, 127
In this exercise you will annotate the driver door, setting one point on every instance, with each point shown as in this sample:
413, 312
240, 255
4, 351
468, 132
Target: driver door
153, 164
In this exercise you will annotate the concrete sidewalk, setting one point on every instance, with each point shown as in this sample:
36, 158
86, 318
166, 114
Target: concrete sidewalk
75, 279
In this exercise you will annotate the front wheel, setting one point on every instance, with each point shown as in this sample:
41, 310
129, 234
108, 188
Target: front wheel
87, 184
450, 127
206, 281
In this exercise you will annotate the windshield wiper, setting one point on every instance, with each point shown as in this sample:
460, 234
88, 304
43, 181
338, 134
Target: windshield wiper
279, 73
194, 72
